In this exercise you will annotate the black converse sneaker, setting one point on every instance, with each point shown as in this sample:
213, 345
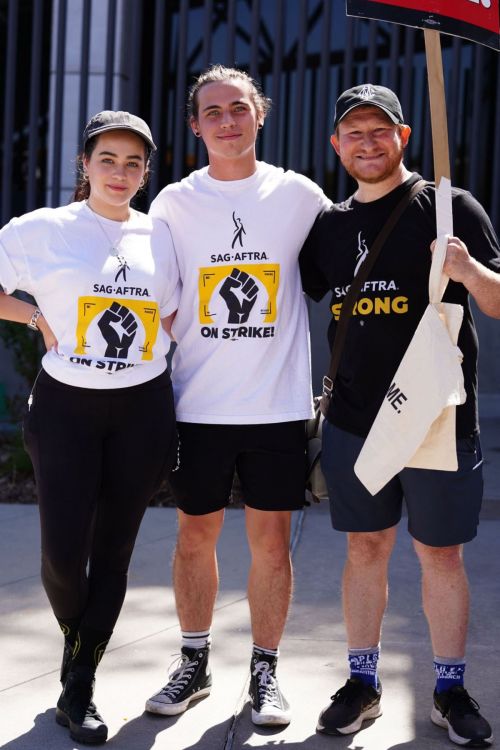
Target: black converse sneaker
350, 707
191, 679
457, 712
269, 706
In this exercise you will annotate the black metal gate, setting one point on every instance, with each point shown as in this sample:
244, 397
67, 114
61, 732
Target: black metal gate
303, 51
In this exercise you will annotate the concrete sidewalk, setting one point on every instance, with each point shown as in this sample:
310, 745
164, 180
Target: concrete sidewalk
313, 660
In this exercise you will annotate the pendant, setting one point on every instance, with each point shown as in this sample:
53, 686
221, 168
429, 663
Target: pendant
114, 252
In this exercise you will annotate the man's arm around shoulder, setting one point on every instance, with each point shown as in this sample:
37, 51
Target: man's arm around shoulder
314, 281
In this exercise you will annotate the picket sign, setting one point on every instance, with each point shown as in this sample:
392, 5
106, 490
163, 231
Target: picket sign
437, 98
477, 20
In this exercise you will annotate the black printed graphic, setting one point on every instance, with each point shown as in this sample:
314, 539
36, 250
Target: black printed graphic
238, 232
123, 267
239, 292
118, 327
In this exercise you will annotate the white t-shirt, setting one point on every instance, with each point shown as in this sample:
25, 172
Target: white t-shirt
242, 328
104, 310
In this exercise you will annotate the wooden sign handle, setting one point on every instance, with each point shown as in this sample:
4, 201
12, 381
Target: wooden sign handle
439, 123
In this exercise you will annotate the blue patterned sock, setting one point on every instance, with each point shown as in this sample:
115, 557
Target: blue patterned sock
363, 664
449, 673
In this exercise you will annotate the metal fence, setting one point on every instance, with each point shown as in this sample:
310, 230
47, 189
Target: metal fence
63, 59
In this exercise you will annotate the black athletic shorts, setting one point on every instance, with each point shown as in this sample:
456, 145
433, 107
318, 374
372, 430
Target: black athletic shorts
270, 460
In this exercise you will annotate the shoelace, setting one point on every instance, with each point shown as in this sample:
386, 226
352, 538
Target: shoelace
83, 702
268, 685
179, 677
462, 703
93, 712
347, 692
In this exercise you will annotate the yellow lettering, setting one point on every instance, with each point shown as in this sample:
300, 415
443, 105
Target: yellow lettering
336, 310
382, 305
364, 306
378, 306
400, 304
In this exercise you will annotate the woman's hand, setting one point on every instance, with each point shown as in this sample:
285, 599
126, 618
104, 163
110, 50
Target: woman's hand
49, 339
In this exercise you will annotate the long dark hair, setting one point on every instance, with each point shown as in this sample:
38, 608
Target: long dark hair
82, 189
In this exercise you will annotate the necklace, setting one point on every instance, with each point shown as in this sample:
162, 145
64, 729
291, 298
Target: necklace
113, 248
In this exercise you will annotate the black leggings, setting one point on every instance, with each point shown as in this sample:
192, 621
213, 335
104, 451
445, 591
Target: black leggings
98, 456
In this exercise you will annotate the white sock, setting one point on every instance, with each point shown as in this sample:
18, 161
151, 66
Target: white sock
195, 639
269, 651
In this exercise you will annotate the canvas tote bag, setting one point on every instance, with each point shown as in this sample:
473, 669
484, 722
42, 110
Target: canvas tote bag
415, 425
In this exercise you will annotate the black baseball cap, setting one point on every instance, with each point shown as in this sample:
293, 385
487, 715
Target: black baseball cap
376, 96
110, 120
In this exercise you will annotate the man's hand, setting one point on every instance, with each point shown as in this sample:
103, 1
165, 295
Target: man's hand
458, 264
480, 281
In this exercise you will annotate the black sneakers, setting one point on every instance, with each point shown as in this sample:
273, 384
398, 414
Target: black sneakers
269, 706
190, 680
76, 710
457, 712
350, 707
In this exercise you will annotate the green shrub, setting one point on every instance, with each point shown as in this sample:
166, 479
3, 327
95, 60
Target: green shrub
15, 464
27, 348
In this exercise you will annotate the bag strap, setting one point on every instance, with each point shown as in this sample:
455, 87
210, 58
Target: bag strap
358, 281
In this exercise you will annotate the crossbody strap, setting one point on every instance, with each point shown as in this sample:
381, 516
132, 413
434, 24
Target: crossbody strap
358, 281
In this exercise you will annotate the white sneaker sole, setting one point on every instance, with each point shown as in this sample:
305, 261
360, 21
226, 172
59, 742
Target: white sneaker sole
172, 709
440, 721
271, 719
371, 713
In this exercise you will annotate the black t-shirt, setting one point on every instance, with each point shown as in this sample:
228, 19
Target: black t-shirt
395, 295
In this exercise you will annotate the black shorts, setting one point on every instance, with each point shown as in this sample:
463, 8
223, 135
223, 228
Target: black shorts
270, 460
443, 506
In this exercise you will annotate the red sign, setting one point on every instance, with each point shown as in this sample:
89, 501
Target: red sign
478, 20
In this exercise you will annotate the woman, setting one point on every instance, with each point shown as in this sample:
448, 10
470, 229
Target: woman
100, 425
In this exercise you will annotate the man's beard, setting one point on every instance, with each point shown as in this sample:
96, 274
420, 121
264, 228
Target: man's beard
392, 165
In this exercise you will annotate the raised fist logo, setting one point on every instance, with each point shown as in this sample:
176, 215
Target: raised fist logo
239, 292
118, 327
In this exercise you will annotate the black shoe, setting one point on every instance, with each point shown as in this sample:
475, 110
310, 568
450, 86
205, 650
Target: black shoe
190, 680
350, 707
66, 662
76, 710
269, 705
457, 712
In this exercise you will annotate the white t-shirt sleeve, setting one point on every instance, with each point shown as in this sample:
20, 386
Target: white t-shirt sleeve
314, 190
158, 207
14, 271
163, 248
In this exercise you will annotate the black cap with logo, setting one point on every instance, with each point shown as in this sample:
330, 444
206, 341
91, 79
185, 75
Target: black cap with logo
110, 120
376, 96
